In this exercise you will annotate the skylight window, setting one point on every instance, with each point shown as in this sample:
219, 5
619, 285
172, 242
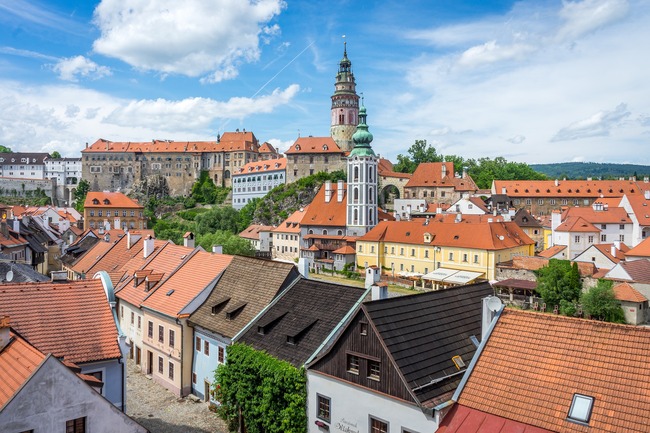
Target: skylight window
581, 407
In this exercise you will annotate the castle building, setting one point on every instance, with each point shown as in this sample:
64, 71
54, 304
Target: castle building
362, 181
256, 179
345, 105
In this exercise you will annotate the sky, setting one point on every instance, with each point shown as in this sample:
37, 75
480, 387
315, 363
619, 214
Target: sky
535, 81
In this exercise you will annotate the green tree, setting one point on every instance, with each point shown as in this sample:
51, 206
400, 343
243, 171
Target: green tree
55, 155
418, 153
5, 149
80, 195
600, 303
559, 284
231, 243
269, 394
218, 218
485, 170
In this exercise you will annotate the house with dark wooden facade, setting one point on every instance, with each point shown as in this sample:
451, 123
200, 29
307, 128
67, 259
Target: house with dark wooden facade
396, 363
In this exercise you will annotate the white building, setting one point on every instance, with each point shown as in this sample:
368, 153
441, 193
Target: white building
23, 165
67, 172
256, 179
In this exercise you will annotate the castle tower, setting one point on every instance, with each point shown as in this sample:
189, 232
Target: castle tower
362, 181
345, 105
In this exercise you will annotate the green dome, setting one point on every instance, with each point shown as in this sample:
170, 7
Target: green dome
362, 137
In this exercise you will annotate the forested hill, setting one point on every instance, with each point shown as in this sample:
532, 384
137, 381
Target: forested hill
583, 170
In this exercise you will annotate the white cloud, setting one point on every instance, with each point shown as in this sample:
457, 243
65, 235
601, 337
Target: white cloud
598, 124
71, 68
190, 37
517, 139
582, 17
280, 145
491, 52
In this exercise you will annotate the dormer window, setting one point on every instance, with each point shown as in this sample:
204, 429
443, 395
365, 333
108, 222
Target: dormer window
325, 147
297, 147
106, 201
95, 201
580, 410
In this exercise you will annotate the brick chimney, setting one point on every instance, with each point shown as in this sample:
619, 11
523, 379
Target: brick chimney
4, 332
148, 246
339, 191
188, 240
328, 191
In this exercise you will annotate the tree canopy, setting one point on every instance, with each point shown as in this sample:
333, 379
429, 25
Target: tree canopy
600, 303
559, 284
55, 155
80, 194
5, 149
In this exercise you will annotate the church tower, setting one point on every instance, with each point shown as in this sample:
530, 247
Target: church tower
345, 105
362, 181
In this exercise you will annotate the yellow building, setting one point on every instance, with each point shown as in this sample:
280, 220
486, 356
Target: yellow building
434, 250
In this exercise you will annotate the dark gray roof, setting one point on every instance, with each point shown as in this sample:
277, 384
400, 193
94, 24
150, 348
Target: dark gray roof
23, 158
244, 289
21, 273
78, 249
523, 218
423, 332
301, 319
639, 270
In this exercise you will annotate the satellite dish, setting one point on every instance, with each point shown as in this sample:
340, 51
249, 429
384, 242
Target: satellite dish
494, 304
9, 276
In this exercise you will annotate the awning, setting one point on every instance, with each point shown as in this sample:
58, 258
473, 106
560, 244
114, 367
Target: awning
462, 277
407, 274
439, 274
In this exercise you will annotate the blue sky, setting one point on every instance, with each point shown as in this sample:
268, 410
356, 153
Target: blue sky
533, 81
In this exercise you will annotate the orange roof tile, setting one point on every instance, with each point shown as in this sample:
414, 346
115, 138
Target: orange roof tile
461, 419
641, 250
613, 215
625, 292
116, 256
252, 232
606, 250
186, 282
267, 147
102, 199
529, 263
292, 224
552, 251
18, 361
230, 141
487, 236
314, 145
263, 166
577, 225
431, 174
67, 319
533, 363
322, 213
345, 250
92, 256
565, 188
640, 205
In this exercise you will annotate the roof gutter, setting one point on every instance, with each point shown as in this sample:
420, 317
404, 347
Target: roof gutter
345, 319
477, 355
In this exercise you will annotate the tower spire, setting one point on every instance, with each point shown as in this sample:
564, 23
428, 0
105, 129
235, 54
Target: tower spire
345, 103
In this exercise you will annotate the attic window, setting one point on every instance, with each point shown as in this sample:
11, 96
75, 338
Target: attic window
221, 302
170, 292
95, 201
234, 311
408, 233
297, 147
106, 201
456, 237
458, 362
581, 407
325, 147
269, 321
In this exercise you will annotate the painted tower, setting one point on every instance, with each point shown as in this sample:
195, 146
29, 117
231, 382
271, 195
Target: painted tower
345, 105
362, 181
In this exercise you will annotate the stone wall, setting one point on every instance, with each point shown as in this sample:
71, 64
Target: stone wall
19, 187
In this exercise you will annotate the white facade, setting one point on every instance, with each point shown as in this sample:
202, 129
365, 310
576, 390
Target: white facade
362, 194
66, 171
640, 231
256, 179
22, 165
404, 207
352, 407
465, 206
131, 321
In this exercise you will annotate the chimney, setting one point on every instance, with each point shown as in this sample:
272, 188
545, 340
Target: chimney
557, 182
16, 225
613, 250
131, 239
303, 267
646, 179
646, 194
459, 218
464, 172
107, 237
148, 246
408, 210
373, 274
339, 191
556, 219
328, 191
423, 207
217, 249
4, 332
443, 170
188, 240
617, 245
4, 229
438, 209
503, 190
379, 291
59, 276
491, 306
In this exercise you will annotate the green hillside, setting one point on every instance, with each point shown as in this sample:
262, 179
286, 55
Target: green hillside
583, 170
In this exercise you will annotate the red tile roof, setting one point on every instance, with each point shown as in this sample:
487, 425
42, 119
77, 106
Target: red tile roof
638, 270
487, 236
92, 256
252, 232
313, 145
321, 213
552, 251
430, 174
230, 141
640, 205
641, 250
462, 419
577, 225
114, 200
263, 166
267, 147
534, 363
116, 257
292, 224
606, 250
613, 215
71, 320
565, 188
625, 292
186, 282
345, 250
18, 361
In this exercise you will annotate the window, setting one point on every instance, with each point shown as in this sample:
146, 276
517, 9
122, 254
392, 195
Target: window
206, 348
465, 258
553, 201
220, 354
378, 426
139, 322
360, 248
353, 364
451, 256
160, 365
132, 317
529, 201
564, 201
621, 226
392, 250
76, 425
323, 408
576, 238
373, 370
363, 328
401, 251
194, 378
161, 333
150, 330
197, 344
171, 337
540, 201
603, 226
475, 258
426, 254
171, 370
603, 238
580, 410
590, 239
621, 238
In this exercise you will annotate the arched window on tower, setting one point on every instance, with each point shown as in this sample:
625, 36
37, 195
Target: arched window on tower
369, 174
355, 195
341, 118
356, 174
351, 117
370, 221
370, 196
355, 217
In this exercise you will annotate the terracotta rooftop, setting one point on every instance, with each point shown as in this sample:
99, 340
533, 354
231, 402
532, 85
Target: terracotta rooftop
439, 174
533, 364
70, 320
487, 236
263, 166
292, 224
229, 141
610, 215
252, 232
18, 360
606, 249
117, 256
322, 213
639, 204
95, 199
552, 251
187, 281
462, 419
92, 256
625, 292
641, 250
565, 188
314, 145
385, 169
267, 147
577, 225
